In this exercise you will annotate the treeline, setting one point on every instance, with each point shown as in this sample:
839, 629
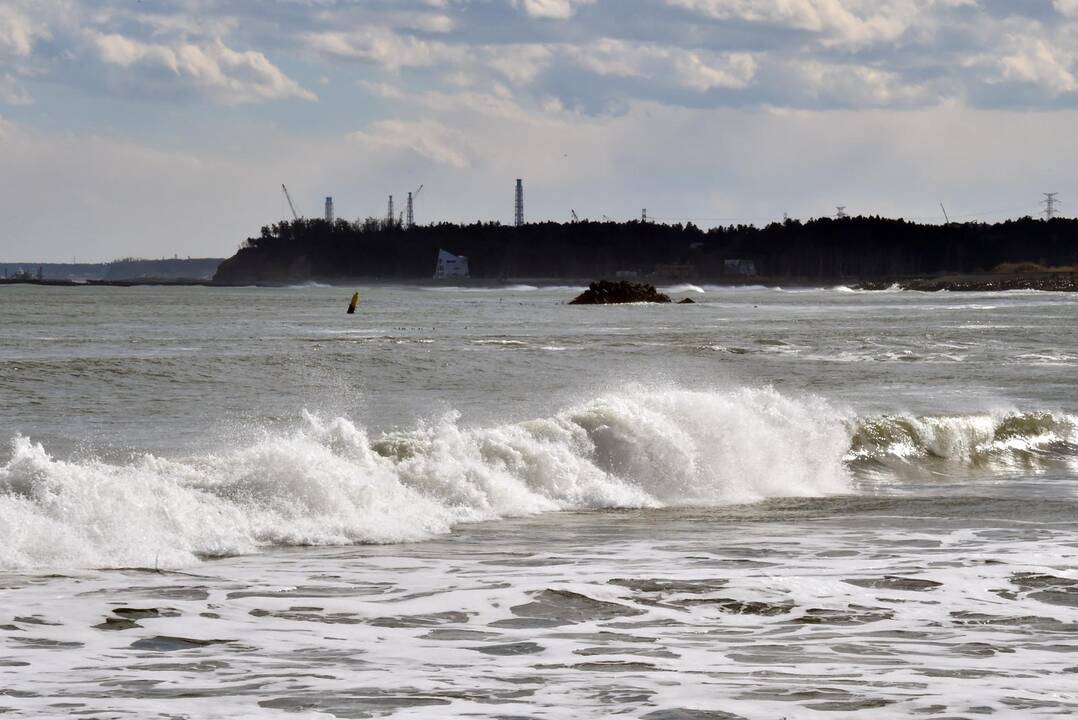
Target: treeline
123, 269
857, 247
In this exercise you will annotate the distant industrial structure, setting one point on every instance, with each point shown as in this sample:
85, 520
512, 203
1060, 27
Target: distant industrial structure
518, 219
450, 266
410, 215
329, 210
389, 212
291, 206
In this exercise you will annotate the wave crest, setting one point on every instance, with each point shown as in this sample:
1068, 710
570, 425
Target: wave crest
327, 482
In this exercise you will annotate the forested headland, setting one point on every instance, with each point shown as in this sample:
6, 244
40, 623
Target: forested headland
862, 248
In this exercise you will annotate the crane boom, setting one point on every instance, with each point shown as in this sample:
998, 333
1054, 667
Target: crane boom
416, 193
290, 205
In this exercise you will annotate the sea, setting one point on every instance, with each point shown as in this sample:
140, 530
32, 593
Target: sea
479, 502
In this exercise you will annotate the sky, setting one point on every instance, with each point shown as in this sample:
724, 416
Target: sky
153, 128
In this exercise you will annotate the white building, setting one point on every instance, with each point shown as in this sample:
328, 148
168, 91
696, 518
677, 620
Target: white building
450, 265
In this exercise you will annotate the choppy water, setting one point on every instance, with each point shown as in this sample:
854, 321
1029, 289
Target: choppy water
487, 503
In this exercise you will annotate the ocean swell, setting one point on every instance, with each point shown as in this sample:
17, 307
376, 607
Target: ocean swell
327, 482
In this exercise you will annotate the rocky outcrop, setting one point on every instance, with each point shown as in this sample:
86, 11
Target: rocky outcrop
606, 292
251, 267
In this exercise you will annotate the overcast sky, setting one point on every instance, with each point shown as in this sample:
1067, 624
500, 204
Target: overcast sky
153, 127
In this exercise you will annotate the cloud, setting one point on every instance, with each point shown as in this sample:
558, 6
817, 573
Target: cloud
698, 70
1066, 8
12, 92
1037, 62
215, 69
385, 47
426, 138
19, 33
551, 9
840, 22
854, 86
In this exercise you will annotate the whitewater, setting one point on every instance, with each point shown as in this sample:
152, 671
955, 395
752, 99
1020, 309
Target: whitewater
483, 502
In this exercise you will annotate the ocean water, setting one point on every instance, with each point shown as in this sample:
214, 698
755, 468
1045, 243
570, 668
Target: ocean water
486, 503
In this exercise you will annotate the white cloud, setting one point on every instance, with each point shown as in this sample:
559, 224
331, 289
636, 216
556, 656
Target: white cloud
519, 64
1037, 62
697, 70
18, 33
227, 75
855, 86
427, 138
1067, 8
551, 9
387, 48
428, 22
12, 92
840, 22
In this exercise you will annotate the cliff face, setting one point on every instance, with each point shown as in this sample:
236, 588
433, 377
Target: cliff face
305, 250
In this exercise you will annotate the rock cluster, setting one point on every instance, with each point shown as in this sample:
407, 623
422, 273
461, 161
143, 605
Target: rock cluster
606, 292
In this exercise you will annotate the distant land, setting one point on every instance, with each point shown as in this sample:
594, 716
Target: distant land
125, 270
854, 249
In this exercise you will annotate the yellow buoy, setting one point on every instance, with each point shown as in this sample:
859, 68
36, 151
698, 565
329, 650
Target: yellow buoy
352, 305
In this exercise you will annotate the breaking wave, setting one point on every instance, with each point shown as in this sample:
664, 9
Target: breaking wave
328, 482
990, 442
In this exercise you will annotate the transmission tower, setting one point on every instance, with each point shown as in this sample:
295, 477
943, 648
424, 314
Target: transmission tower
644, 215
1050, 204
518, 218
840, 212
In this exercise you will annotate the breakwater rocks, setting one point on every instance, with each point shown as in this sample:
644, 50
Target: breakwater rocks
606, 292
989, 282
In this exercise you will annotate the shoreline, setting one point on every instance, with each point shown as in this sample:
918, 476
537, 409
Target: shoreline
1048, 281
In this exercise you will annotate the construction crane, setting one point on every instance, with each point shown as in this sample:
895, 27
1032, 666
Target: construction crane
291, 207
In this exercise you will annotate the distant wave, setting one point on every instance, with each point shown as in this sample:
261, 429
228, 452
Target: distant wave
684, 288
328, 482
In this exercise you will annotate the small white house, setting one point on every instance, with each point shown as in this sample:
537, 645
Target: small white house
450, 266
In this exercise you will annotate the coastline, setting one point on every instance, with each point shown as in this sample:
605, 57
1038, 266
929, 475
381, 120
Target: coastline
1048, 281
